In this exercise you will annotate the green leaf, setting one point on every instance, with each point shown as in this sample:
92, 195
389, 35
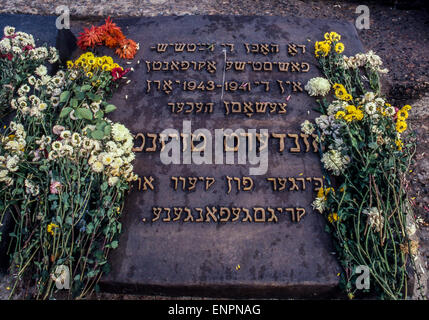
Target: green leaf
110, 108
99, 114
74, 102
86, 87
114, 244
84, 113
64, 96
97, 134
104, 186
107, 130
101, 124
65, 112
80, 95
69, 220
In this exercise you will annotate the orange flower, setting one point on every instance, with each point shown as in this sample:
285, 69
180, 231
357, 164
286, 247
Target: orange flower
110, 41
90, 38
112, 34
112, 29
127, 49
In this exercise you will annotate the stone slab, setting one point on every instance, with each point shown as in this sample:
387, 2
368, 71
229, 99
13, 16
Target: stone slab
282, 259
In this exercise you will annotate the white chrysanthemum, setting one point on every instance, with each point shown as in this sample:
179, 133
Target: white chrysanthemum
112, 181
56, 146
120, 132
117, 163
32, 80
97, 166
67, 150
5, 46
307, 127
12, 163
87, 144
95, 106
3, 173
334, 161
129, 158
30, 188
76, 140
370, 108
376, 220
323, 122
41, 71
335, 106
390, 111
319, 204
65, 134
380, 102
369, 96
42, 106
318, 86
106, 158
9, 31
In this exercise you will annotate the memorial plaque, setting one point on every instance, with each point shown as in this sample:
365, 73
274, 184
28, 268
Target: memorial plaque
223, 229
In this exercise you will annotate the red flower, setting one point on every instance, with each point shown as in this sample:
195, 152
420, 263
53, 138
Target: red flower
90, 38
118, 73
9, 56
28, 47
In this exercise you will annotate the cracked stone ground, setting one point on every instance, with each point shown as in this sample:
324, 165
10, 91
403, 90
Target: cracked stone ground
398, 33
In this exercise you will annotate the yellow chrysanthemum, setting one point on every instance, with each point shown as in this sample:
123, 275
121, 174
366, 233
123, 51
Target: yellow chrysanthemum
399, 144
401, 126
349, 117
70, 64
322, 48
332, 217
50, 228
333, 36
340, 115
339, 47
351, 109
402, 115
407, 107
347, 97
359, 115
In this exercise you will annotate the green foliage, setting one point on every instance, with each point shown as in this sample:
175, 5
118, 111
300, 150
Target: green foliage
65, 213
367, 202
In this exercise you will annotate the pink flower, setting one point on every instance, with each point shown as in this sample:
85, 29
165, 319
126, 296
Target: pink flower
396, 113
36, 155
55, 187
57, 129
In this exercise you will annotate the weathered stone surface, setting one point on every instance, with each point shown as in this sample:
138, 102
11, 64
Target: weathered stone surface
234, 258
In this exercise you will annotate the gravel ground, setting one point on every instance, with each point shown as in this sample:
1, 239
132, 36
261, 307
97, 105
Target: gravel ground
398, 33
